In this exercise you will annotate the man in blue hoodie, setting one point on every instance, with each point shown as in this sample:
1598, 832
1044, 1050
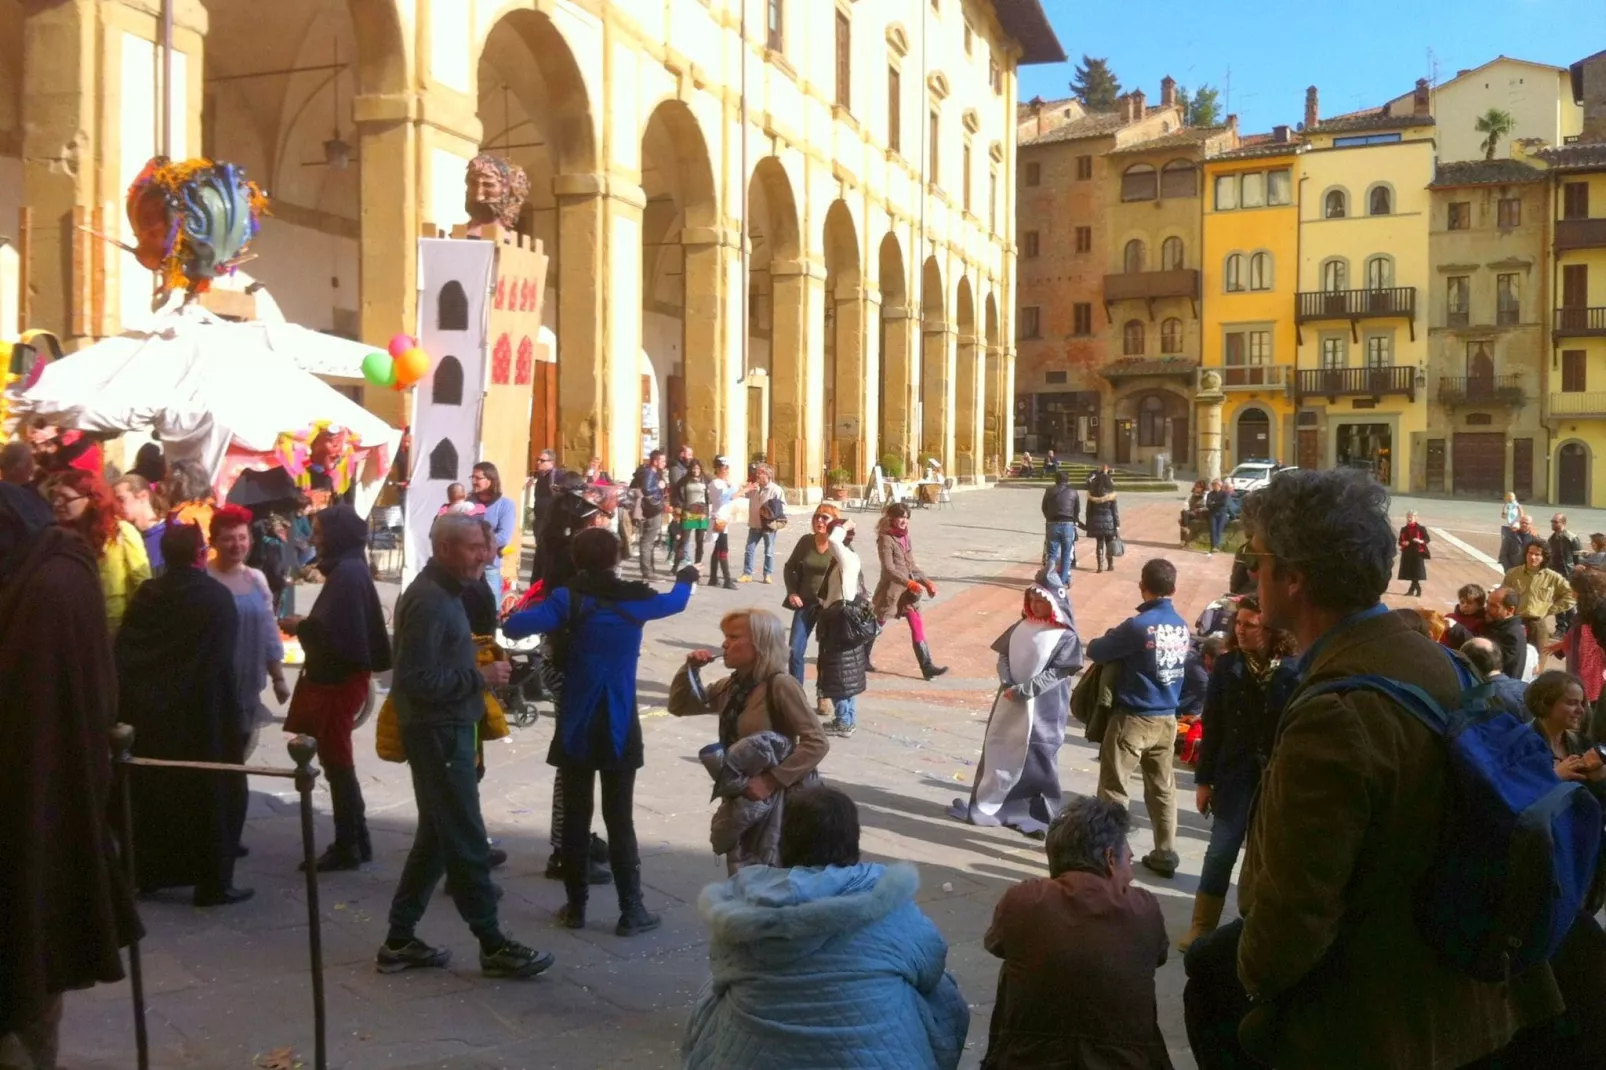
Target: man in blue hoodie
1152, 649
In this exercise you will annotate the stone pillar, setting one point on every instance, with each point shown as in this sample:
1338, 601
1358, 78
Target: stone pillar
937, 369
969, 391
851, 385
993, 460
788, 374
582, 206
1007, 403
870, 429
706, 361
1209, 400
814, 431
389, 226
897, 401
619, 418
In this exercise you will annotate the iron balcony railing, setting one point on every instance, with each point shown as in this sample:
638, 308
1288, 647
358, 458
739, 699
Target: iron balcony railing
1365, 382
1355, 304
1481, 390
1578, 320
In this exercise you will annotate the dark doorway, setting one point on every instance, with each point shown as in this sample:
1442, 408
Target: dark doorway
1179, 438
1123, 442
1435, 466
1480, 463
1254, 436
1522, 468
1366, 446
1572, 475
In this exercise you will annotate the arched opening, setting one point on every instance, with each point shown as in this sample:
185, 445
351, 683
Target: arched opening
1572, 474
451, 308
1252, 440
967, 390
681, 284
898, 349
443, 461
996, 404
1133, 256
1171, 254
1335, 204
1335, 275
1379, 273
1150, 422
1380, 201
847, 399
1132, 338
1171, 336
1140, 182
446, 385
936, 361
777, 305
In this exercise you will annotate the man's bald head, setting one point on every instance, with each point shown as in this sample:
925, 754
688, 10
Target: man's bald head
1484, 656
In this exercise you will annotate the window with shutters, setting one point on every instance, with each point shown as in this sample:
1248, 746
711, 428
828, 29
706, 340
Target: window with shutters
1171, 336
1139, 183
1034, 174
1573, 362
1460, 215
775, 25
895, 110
1084, 239
1171, 254
844, 61
1508, 300
1232, 350
1084, 168
1028, 244
1029, 325
1178, 179
1132, 338
1457, 295
1509, 212
1575, 200
1082, 315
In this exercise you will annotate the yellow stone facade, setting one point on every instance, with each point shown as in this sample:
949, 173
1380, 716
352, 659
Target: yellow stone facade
865, 150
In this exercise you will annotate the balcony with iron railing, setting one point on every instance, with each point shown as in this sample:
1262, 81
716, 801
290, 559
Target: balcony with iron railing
1580, 322
1355, 304
1356, 382
1578, 403
1481, 390
1272, 377
1580, 234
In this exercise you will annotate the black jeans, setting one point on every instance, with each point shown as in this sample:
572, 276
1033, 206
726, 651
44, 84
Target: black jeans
1214, 1001
618, 806
451, 833
647, 543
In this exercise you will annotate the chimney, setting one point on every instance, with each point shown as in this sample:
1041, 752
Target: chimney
1421, 98
1279, 134
1232, 124
1168, 91
1463, 71
1591, 77
1312, 115
1139, 106
1123, 104
1036, 104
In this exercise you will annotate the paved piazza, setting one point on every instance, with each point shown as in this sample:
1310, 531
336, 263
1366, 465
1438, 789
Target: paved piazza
229, 986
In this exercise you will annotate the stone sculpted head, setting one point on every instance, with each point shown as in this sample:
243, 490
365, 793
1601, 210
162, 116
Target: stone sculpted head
496, 189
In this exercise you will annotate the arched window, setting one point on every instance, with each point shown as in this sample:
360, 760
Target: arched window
1333, 206
1132, 338
446, 387
1151, 421
1260, 271
1133, 256
1171, 254
1335, 275
1379, 273
1171, 336
1179, 179
1379, 201
1235, 272
1139, 183
451, 308
443, 461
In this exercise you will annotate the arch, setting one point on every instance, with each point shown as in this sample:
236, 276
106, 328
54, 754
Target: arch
1133, 256
451, 308
1232, 273
1575, 462
1179, 178
846, 396
1171, 336
443, 463
1260, 270
898, 352
1173, 254
1379, 271
1140, 182
446, 385
1252, 435
1335, 203
933, 304
1380, 199
1132, 338
936, 363
1334, 274
530, 56
381, 46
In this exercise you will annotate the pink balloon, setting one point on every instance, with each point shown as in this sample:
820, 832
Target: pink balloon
400, 344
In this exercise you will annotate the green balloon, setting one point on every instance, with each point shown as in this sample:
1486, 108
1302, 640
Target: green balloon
379, 369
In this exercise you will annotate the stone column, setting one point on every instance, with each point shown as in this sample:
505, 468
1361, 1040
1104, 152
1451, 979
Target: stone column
850, 389
993, 459
389, 225
1006, 402
937, 394
897, 402
706, 360
582, 207
1209, 400
619, 418
969, 391
788, 374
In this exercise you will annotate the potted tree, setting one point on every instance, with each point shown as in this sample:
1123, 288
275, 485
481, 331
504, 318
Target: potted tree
891, 466
837, 480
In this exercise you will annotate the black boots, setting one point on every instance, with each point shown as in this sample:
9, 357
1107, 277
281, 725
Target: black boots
597, 871
923, 657
352, 846
719, 560
869, 655
634, 918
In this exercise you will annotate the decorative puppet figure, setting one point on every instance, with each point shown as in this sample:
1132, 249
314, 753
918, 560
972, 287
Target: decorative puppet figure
496, 189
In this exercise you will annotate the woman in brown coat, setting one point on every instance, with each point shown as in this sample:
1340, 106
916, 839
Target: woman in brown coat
901, 584
759, 696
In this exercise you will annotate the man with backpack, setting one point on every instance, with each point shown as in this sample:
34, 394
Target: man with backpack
652, 496
1339, 955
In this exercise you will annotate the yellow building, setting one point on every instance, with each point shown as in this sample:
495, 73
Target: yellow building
1364, 210
1576, 402
1250, 278
1537, 96
775, 227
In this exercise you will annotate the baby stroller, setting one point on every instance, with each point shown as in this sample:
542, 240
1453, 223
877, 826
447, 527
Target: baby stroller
524, 687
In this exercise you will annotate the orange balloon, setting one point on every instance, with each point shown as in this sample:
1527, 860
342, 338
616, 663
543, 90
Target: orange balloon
411, 366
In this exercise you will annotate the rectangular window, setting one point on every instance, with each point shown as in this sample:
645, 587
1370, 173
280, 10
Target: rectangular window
894, 110
844, 61
1029, 326
1060, 378
1573, 362
1084, 168
1457, 290
1379, 351
1034, 174
1029, 244
1460, 215
992, 201
1233, 353
1334, 352
933, 156
965, 184
1082, 313
1084, 239
1575, 200
1226, 192
1259, 347
1253, 194
1279, 187
1510, 212
1366, 139
774, 21
1508, 300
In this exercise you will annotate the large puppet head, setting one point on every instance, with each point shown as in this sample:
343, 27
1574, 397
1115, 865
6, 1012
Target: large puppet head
496, 189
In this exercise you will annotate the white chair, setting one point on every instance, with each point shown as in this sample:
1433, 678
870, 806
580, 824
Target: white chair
945, 494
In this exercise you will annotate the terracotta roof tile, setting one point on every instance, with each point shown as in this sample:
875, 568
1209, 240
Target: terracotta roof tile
1373, 121
1187, 137
1257, 145
1099, 124
1582, 156
1486, 173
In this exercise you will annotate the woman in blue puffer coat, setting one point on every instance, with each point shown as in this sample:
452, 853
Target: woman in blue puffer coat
826, 961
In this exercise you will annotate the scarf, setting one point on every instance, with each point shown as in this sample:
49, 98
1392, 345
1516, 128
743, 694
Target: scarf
1260, 666
742, 688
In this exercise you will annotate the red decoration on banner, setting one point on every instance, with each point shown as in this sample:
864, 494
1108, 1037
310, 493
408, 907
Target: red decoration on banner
524, 370
501, 360
501, 291
527, 296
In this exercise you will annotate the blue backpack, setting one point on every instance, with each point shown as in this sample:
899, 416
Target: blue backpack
1519, 845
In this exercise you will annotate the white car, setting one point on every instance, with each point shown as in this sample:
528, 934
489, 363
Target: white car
1252, 475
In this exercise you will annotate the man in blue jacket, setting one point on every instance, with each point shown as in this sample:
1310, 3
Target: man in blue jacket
1152, 649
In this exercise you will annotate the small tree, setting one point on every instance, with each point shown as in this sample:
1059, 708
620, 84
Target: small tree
1494, 124
1202, 107
1095, 85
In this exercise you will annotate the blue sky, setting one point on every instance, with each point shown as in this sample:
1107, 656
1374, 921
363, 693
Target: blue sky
1358, 53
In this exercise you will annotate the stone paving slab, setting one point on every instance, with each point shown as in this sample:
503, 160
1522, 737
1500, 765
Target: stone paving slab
226, 984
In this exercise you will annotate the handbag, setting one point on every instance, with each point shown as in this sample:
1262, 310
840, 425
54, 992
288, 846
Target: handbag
1117, 547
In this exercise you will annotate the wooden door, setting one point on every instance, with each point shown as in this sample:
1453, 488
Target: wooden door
1572, 475
543, 410
1308, 454
674, 415
1179, 440
1575, 286
1254, 436
1123, 442
1522, 468
1479, 460
1435, 466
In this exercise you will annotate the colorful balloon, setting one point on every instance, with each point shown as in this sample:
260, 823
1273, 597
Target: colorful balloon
411, 366
401, 343
379, 369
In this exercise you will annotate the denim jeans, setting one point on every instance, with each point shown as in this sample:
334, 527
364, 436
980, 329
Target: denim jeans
647, 534
802, 627
754, 535
450, 838
1218, 525
846, 709
1230, 805
1059, 550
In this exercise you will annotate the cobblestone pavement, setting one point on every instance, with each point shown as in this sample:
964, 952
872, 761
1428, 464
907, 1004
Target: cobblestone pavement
227, 985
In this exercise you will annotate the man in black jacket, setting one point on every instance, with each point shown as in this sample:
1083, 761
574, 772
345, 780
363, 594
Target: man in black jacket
1218, 503
1505, 629
1062, 511
439, 690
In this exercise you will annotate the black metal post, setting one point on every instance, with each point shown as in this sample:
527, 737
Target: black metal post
302, 751
121, 737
